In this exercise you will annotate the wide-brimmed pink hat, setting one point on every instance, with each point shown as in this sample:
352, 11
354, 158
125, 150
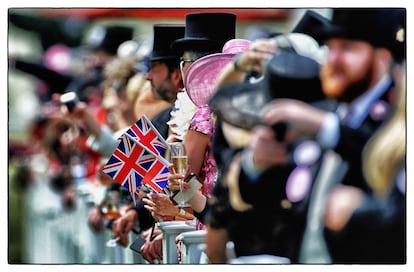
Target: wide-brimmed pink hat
202, 74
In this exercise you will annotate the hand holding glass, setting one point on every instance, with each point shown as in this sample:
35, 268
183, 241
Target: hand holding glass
180, 162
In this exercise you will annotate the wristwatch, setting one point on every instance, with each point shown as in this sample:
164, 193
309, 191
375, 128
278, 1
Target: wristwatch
181, 212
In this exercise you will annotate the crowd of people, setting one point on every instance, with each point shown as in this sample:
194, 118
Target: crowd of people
298, 139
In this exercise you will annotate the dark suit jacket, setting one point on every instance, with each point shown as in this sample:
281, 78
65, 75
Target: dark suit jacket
160, 121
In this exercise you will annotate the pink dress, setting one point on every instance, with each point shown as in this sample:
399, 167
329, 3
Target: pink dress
202, 122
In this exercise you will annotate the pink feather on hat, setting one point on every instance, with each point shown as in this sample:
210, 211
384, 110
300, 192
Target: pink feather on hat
202, 74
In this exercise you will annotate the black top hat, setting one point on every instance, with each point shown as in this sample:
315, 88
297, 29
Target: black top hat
207, 32
310, 23
288, 75
164, 35
108, 38
377, 26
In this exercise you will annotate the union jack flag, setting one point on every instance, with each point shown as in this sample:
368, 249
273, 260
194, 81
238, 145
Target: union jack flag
128, 164
131, 164
144, 132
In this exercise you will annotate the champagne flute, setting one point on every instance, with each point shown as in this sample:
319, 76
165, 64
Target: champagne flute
111, 209
179, 159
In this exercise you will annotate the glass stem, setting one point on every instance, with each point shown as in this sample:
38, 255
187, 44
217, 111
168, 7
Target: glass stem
181, 181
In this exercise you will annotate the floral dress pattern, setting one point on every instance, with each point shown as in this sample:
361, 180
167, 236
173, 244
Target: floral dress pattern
202, 122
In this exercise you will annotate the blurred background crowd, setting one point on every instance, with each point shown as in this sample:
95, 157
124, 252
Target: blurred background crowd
62, 207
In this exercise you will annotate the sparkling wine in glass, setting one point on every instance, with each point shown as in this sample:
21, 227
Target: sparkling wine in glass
111, 208
180, 161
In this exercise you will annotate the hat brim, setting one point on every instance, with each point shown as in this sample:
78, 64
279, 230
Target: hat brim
202, 75
240, 104
165, 58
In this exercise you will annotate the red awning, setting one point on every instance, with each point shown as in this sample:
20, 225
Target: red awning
243, 14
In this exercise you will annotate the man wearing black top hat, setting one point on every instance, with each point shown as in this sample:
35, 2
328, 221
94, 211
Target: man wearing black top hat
362, 43
166, 82
164, 74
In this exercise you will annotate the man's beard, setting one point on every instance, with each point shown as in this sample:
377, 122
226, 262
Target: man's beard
165, 94
345, 89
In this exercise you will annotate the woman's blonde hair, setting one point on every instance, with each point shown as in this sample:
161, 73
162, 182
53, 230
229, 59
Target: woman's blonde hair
384, 155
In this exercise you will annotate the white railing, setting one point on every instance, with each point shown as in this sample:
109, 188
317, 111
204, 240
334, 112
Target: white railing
193, 245
170, 230
54, 236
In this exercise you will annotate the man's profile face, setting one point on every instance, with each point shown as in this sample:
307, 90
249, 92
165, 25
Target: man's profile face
348, 70
162, 86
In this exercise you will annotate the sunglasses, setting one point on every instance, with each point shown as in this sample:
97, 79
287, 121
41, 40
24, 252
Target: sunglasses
183, 61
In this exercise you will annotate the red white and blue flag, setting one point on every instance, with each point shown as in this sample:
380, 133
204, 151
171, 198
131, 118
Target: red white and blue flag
144, 132
157, 176
131, 164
